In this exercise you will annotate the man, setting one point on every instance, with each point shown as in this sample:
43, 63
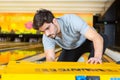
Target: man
72, 34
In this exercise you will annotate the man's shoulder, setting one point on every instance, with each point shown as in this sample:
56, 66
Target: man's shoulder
69, 15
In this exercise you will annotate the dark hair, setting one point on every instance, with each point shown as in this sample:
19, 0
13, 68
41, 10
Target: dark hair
41, 17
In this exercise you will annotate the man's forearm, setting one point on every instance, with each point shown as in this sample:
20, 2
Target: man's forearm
50, 55
98, 46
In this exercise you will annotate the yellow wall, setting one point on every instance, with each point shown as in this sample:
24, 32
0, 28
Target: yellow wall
17, 21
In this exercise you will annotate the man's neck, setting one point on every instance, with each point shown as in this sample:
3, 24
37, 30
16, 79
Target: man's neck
59, 31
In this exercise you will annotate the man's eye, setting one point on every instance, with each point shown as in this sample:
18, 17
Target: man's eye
47, 27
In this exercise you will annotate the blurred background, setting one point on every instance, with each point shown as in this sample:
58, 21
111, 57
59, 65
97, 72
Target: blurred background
19, 41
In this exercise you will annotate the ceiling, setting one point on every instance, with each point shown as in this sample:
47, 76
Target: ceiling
62, 6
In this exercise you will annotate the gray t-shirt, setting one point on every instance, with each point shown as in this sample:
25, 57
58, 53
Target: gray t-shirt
72, 28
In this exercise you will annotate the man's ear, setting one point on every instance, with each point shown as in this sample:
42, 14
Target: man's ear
55, 21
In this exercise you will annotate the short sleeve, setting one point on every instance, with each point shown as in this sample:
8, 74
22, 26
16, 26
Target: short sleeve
77, 23
48, 43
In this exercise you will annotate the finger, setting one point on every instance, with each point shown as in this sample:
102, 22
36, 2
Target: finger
92, 61
98, 62
89, 61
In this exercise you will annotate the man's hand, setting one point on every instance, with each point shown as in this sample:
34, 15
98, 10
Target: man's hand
94, 60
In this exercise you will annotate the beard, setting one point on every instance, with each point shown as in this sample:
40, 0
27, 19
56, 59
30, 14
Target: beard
52, 36
54, 33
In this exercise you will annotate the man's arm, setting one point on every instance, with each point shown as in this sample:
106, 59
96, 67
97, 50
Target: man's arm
92, 35
50, 55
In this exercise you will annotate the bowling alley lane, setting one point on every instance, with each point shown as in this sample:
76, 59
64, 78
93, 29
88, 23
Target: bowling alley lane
12, 54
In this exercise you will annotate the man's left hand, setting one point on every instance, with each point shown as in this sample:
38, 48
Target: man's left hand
94, 60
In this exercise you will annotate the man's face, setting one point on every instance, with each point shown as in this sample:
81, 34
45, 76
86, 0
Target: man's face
49, 29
